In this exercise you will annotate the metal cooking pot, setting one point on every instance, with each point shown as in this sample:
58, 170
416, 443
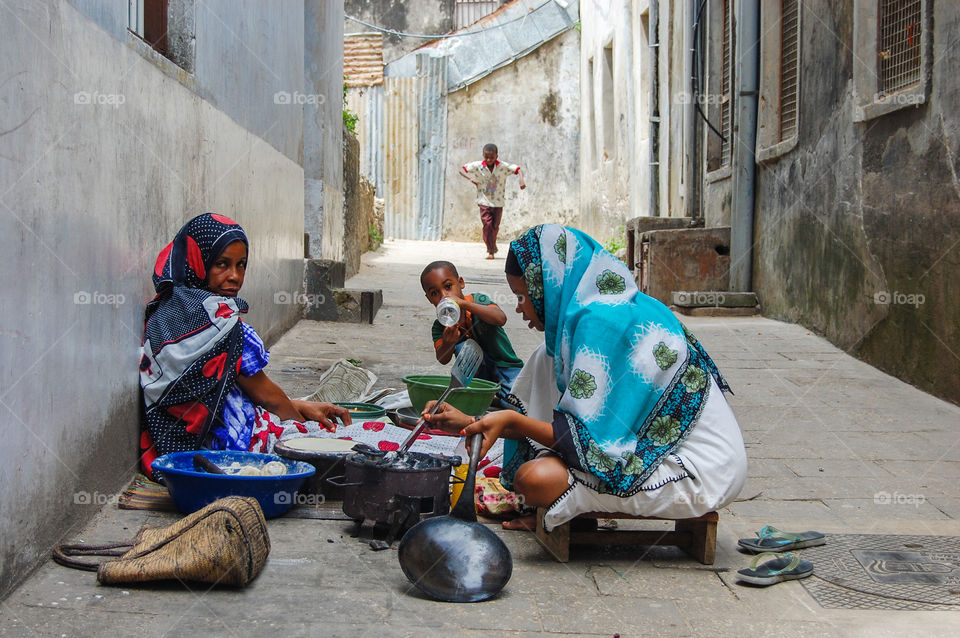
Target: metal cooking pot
372, 491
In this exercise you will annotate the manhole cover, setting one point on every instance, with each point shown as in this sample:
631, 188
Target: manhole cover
871, 571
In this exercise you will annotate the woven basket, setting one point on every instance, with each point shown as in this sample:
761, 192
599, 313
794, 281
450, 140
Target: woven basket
225, 543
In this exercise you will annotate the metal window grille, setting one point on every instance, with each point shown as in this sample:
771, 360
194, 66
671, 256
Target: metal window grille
898, 47
469, 11
726, 103
789, 67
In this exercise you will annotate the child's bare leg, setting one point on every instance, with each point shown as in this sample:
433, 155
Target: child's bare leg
540, 482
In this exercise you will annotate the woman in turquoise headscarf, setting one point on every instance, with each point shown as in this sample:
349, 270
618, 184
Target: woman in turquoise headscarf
622, 409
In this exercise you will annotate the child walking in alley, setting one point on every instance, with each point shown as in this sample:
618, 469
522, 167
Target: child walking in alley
490, 178
201, 365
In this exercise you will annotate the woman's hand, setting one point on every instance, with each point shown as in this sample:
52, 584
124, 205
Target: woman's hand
324, 413
492, 426
448, 418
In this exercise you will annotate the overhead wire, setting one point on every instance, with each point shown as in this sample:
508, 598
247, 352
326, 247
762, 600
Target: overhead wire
458, 34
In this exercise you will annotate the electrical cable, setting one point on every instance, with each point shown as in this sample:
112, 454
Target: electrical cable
698, 72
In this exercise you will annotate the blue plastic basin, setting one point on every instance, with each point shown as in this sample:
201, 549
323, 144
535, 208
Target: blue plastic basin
192, 489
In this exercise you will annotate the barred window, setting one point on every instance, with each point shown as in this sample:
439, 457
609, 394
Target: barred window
789, 67
891, 56
898, 45
726, 83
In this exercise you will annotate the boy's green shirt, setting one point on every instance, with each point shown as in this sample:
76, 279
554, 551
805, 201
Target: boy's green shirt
493, 340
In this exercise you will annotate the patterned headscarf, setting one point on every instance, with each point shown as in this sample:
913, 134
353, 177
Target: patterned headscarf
632, 380
192, 339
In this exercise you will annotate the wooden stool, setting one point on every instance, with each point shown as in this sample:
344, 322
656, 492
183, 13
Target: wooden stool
696, 536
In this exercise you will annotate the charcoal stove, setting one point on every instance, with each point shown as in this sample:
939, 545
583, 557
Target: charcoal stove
399, 492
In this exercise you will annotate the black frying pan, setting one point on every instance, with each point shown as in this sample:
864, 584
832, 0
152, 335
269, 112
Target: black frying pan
454, 558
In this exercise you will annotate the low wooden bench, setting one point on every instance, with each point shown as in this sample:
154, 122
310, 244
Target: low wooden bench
696, 536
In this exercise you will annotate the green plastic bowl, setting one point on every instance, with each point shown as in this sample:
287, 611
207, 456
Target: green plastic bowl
472, 400
360, 411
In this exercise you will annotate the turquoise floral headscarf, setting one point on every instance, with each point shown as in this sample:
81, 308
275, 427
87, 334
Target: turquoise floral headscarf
633, 380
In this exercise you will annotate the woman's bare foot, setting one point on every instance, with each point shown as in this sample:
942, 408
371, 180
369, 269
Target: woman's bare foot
523, 523
490, 256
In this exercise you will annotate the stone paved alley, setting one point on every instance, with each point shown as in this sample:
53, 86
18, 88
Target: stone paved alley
834, 446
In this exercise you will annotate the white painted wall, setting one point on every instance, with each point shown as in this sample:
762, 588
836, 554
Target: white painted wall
615, 170
89, 194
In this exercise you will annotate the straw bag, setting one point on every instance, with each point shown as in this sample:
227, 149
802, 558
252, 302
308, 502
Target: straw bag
225, 543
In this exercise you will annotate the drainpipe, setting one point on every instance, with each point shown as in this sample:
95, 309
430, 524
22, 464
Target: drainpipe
689, 110
745, 142
653, 38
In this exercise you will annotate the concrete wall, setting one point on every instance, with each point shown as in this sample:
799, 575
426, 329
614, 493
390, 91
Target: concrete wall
323, 129
358, 215
104, 152
238, 67
861, 209
531, 111
407, 16
616, 150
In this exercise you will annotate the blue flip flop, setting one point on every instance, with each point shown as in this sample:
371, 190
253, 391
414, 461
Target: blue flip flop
781, 567
771, 539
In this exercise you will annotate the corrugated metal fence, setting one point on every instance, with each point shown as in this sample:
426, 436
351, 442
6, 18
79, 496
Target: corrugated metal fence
402, 133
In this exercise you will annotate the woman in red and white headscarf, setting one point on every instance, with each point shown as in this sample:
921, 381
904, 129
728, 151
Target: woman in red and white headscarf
201, 367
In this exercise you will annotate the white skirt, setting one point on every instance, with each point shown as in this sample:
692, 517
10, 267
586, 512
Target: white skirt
706, 472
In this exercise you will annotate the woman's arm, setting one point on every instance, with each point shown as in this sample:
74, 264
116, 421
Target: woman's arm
268, 394
264, 392
503, 423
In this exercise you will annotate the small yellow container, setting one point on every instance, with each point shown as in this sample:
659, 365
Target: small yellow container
455, 488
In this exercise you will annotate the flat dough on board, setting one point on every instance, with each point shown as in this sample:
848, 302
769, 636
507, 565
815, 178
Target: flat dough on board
315, 444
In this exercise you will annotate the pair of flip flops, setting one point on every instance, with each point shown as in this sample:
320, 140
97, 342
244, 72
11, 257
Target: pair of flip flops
769, 545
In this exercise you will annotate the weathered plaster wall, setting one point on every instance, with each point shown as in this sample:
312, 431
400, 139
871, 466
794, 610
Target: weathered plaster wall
531, 111
358, 208
407, 16
857, 210
103, 156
